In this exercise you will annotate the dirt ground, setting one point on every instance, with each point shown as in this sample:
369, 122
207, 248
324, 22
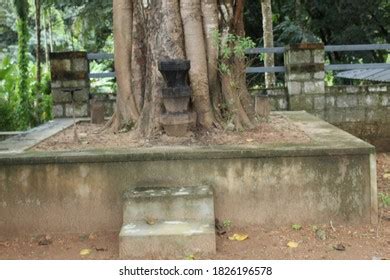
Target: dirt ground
330, 241
278, 129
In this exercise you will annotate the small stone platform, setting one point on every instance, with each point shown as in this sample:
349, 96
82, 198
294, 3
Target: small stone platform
167, 221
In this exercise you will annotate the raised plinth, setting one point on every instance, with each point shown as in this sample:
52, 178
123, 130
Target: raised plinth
332, 177
167, 221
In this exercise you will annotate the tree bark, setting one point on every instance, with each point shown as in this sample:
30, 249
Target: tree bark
268, 39
239, 103
211, 25
196, 52
126, 108
164, 40
138, 61
238, 22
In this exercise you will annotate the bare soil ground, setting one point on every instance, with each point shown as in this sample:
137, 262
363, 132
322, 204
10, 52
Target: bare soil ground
341, 242
278, 129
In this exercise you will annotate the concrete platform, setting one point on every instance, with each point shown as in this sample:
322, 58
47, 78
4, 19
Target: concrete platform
333, 177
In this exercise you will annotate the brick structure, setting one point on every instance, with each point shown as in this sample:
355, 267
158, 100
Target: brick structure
304, 74
69, 70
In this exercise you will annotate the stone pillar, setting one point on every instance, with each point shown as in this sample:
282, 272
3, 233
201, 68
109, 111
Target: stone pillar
69, 71
305, 75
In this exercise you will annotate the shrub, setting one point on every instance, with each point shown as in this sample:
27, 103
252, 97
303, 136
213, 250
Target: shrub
32, 108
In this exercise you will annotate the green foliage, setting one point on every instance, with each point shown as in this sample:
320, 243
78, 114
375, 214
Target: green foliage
102, 85
23, 109
7, 97
22, 112
21, 8
230, 46
296, 227
384, 199
81, 24
290, 31
227, 223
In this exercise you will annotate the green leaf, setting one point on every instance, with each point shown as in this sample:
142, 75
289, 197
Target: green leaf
296, 227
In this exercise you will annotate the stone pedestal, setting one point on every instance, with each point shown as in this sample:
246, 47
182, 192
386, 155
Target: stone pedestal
305, 73
69, 70
262, 105
97, 111
176, 97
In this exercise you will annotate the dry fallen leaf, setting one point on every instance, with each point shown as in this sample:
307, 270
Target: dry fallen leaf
321, 234
45, 240
101, 249
339, 247
150, 220
190, 257
249, 140
92, 236
85, 252
238, 237
4, 243
292, 244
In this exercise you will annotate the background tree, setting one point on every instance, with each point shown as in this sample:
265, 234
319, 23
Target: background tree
23, 109
268, 38
38, 46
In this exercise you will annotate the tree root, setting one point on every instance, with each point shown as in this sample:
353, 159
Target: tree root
109, 123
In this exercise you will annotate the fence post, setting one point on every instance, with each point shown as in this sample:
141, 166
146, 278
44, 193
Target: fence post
69, 70
305, 75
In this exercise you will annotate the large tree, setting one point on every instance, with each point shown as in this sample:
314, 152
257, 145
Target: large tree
208, 33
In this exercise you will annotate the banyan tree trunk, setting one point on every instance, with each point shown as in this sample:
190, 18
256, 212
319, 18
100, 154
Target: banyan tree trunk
177, 29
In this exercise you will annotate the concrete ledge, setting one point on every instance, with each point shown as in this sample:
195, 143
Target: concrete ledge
27, 139
7, 134
326, 140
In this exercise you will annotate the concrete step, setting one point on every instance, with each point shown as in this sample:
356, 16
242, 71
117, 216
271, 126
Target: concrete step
166, 239
163, 222
169, 203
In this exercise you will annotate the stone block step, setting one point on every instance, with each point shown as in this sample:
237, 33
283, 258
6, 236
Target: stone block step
169, 203
166, 239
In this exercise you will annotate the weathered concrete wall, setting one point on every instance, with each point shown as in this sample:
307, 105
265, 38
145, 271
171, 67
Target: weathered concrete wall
363, 111
86, 197
331, 178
